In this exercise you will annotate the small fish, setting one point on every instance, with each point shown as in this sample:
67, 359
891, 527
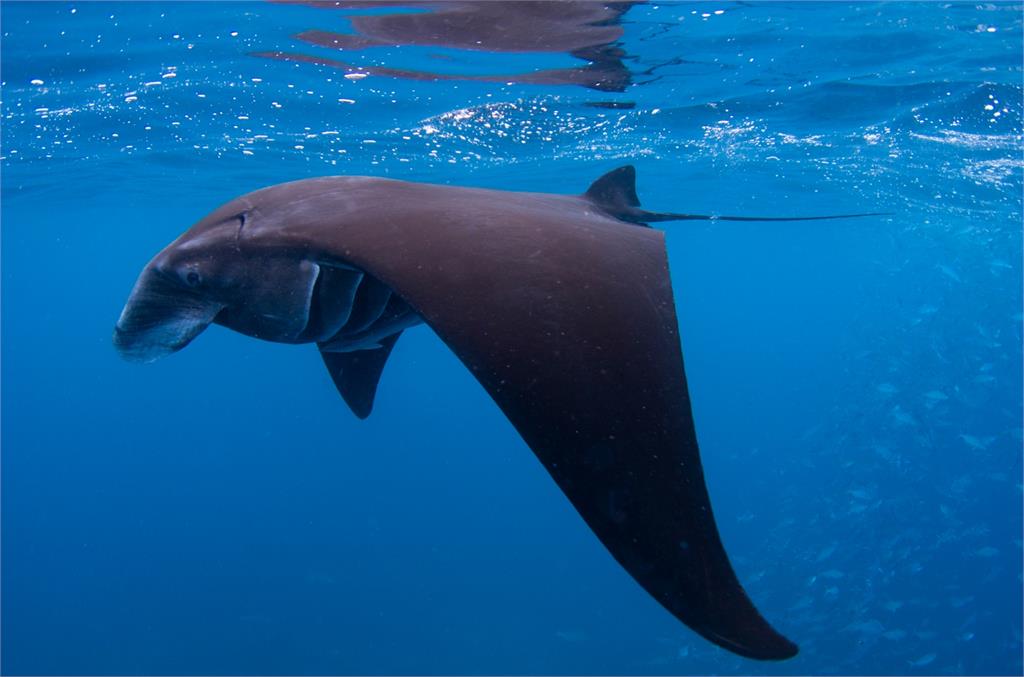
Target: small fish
958, 602
987, 551
936, 396
883, 451
803, 603
810, 432
902, 416
923, 660
949, 272
573, 636
975, 443
826, 552
887, 389
870, 627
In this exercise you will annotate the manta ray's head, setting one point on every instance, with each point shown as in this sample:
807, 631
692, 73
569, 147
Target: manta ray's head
218, 272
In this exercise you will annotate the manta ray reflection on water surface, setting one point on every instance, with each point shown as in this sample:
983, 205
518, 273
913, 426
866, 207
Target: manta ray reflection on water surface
584, 29
560, 305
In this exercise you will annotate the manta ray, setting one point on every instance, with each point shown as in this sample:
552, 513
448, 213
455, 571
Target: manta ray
560, 305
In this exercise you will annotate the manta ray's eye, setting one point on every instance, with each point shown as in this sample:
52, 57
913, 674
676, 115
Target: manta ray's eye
193, 279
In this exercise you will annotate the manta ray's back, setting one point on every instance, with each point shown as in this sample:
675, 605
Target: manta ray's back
565, 315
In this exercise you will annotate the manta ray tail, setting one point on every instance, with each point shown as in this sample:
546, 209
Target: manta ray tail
615, 194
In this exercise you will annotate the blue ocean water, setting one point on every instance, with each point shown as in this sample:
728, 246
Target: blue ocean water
856, 384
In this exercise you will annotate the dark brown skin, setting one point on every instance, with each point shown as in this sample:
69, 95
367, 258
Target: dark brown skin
564, 314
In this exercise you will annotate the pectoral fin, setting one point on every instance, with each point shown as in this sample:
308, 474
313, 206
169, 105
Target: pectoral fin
567, 320
356, 374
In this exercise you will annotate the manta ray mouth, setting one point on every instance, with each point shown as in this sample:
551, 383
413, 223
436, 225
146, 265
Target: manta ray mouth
157, 321
148, 344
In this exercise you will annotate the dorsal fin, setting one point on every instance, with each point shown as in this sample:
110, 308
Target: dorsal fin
615, 191
615, 194
357, 373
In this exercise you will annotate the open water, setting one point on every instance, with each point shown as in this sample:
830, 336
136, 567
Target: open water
856, 384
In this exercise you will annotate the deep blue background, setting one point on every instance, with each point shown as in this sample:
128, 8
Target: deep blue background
856, 384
